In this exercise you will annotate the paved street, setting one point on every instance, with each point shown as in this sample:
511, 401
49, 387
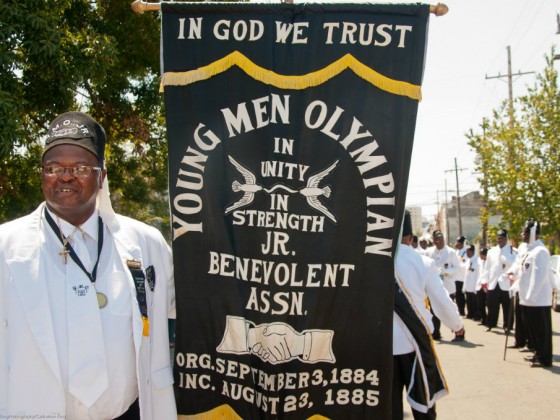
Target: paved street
485, 387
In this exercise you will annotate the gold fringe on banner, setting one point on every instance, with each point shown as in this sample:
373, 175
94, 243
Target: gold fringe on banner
315, 78
225, 412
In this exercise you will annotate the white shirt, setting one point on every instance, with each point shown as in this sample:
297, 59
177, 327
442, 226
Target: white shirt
419, 276
498, 264
462, 270
116, 320
535, 282
481, 268
471, 278
447, 263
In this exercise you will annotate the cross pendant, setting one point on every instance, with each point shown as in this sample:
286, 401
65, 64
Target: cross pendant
64, 253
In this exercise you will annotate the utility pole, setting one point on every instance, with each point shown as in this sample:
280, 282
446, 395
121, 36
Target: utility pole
446, 214
459, 222
439, 221
509, 76
485, 187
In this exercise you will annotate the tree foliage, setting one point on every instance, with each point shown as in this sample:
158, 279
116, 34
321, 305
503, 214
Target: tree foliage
519, 159
94, 56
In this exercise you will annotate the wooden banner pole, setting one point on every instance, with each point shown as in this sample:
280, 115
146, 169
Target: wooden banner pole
140, 6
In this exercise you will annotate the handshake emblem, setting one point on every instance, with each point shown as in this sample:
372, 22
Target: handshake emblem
276, 342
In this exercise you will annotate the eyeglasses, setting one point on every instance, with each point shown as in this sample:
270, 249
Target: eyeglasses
77, 171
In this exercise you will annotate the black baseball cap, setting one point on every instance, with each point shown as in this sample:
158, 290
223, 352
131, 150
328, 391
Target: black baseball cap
78, 129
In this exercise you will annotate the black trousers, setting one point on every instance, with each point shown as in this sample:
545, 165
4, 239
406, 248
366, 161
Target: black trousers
133, 412
521, 337
539, 323
436, 322
402, 370
481, 305
472, 311
460, 297
496, 298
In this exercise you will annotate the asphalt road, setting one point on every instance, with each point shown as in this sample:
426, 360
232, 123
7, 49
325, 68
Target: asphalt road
484, 386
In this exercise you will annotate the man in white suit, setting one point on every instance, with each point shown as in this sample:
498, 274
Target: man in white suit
85, 295
495, 280
447, 264
419, 279
534, 285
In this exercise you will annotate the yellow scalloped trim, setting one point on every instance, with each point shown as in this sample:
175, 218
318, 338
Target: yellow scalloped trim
225, 412
315, 78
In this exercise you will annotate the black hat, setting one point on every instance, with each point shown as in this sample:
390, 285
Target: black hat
407, 224
484, 251
530, 223
461, 239
78, 129
502, 232
437, 233
470, 248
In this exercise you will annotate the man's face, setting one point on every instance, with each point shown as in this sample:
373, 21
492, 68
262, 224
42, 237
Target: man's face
68, 196
438, 242
526, 235
458, 245
502, 241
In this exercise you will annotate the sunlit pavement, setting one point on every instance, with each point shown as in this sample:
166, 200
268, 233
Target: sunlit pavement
484, 386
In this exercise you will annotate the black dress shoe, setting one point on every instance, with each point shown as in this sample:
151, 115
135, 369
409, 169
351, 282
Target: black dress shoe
538, 363
458, 338
515, 346
436, 336
489, 329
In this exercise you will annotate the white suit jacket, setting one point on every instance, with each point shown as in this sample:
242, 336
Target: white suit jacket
447, 263
498, 265
419, 277
535, 281
30, 382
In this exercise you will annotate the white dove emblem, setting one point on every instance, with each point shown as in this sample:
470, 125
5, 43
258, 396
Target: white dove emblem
312, 191
249, 188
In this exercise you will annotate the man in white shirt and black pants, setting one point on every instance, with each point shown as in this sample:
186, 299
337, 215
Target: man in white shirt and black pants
535, 295
496, 280
417, 275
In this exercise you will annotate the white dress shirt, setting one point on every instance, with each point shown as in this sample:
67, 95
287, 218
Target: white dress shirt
419, 276
116, 318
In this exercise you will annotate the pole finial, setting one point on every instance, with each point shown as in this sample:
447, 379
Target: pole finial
439, 9
140, 6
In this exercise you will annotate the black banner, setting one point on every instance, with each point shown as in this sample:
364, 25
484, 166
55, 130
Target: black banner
290, 133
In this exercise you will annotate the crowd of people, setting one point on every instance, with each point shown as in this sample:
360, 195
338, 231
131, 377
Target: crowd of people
478, 284
514, 281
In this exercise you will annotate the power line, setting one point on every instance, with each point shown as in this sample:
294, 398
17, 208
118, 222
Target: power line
509, 76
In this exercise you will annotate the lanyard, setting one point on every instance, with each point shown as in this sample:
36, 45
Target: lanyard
93, 275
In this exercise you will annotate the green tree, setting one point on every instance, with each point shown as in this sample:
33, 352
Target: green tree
94, 56
519, 160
